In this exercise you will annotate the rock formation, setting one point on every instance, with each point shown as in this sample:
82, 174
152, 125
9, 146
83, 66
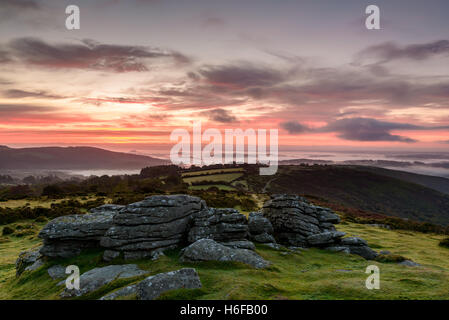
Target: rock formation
299, 223
56, 272
28, 261
66, 236
144, 228
153, 286
209, 250
98, 277
227, 226
260, 228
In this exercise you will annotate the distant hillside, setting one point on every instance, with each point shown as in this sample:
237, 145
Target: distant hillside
437, 183
72, 158
357, 187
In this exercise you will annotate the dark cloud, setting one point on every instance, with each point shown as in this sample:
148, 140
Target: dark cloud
361, 129
88, 54
389, 51
4, 57
19, 4
293, 127
22, 109
241, 76
298, 87
366, 129
220, 115
17, 94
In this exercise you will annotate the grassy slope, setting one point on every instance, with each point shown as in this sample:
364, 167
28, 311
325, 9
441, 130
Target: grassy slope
311, 274
359, 189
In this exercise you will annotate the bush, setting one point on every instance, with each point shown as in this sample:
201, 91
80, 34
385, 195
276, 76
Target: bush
444, 243
7, 230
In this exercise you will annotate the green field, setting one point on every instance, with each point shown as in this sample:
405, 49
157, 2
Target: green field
210, 172
309, 274
224, 177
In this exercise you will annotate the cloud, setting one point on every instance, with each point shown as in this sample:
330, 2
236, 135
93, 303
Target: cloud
361, 129
240, 76
88, 54
19, 4
213, 22
38, 115
389, 51
14, 109
4, 57
367, 129
18, 94
219, 115
293, 127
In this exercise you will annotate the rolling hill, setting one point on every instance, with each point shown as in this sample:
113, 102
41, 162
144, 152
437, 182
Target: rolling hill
357, 187
437, 183
72, 158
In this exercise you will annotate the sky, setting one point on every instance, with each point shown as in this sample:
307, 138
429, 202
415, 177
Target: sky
138, 69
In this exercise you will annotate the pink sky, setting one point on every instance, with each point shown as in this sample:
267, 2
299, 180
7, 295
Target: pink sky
137, 71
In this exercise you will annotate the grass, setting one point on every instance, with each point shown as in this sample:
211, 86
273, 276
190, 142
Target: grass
420, 247
310, 274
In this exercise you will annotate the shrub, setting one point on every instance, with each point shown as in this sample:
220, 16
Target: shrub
7, 230
444, 243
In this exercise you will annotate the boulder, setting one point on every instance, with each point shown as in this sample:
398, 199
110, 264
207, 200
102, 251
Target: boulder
294, 220
409, 263
153, 286
353, 241
354, 245
222, 225
260, 228
98, 277
363, 251
28, 260
324, 238
210, 250
243, 244
144, 228
122, 292
67, 236
56, 272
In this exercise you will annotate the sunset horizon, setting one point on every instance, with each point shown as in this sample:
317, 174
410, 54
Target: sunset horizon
132, 81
